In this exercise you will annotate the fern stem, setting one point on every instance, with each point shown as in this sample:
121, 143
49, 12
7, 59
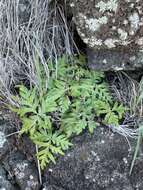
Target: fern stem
39, 168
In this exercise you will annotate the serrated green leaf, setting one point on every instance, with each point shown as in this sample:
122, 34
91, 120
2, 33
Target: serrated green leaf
64, 103
51, 157
54, 94
48, 106
91, 126
111, 119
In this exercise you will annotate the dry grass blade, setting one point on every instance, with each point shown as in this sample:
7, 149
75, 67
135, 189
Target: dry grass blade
127, 90
130, 92
26, 29
140, 135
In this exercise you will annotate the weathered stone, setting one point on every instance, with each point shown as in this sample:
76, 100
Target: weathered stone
26, 175
114, 60
51, 187
5, 129
4, 183
110, 25
96, 162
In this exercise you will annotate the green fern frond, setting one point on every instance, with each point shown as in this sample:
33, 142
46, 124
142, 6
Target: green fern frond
50, 145
66, 104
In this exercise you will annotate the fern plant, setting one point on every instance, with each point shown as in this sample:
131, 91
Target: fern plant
71, 103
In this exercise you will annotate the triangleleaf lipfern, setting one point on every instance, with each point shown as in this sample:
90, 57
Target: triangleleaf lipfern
71, 103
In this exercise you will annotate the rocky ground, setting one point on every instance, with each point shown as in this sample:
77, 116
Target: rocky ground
96, 162
100, 161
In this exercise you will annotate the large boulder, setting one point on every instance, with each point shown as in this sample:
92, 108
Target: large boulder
112, 25
96, 162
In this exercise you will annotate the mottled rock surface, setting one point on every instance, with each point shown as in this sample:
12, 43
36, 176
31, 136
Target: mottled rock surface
100, 161
5, 184
114, 60
26, 175
97, 162
5, 143
51, 187
17, 172
111, 25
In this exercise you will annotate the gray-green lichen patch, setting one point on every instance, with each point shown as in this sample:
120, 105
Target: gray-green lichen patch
94, 24
2, 139
134, 21
110, 5
109, 24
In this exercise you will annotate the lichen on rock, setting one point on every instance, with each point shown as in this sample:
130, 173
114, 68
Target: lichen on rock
110, 24
2, 139
98, 164
115, 21
110, 5
25, 173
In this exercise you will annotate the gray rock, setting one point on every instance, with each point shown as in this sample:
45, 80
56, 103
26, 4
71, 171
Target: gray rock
5, 129
111, 25
4, 183
99, 161
106, 60
25, 173
51, 187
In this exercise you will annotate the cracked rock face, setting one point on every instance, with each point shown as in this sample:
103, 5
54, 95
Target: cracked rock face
100, 161
109, 24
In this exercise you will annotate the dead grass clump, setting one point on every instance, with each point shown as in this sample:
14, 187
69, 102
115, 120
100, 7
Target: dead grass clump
28, 28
